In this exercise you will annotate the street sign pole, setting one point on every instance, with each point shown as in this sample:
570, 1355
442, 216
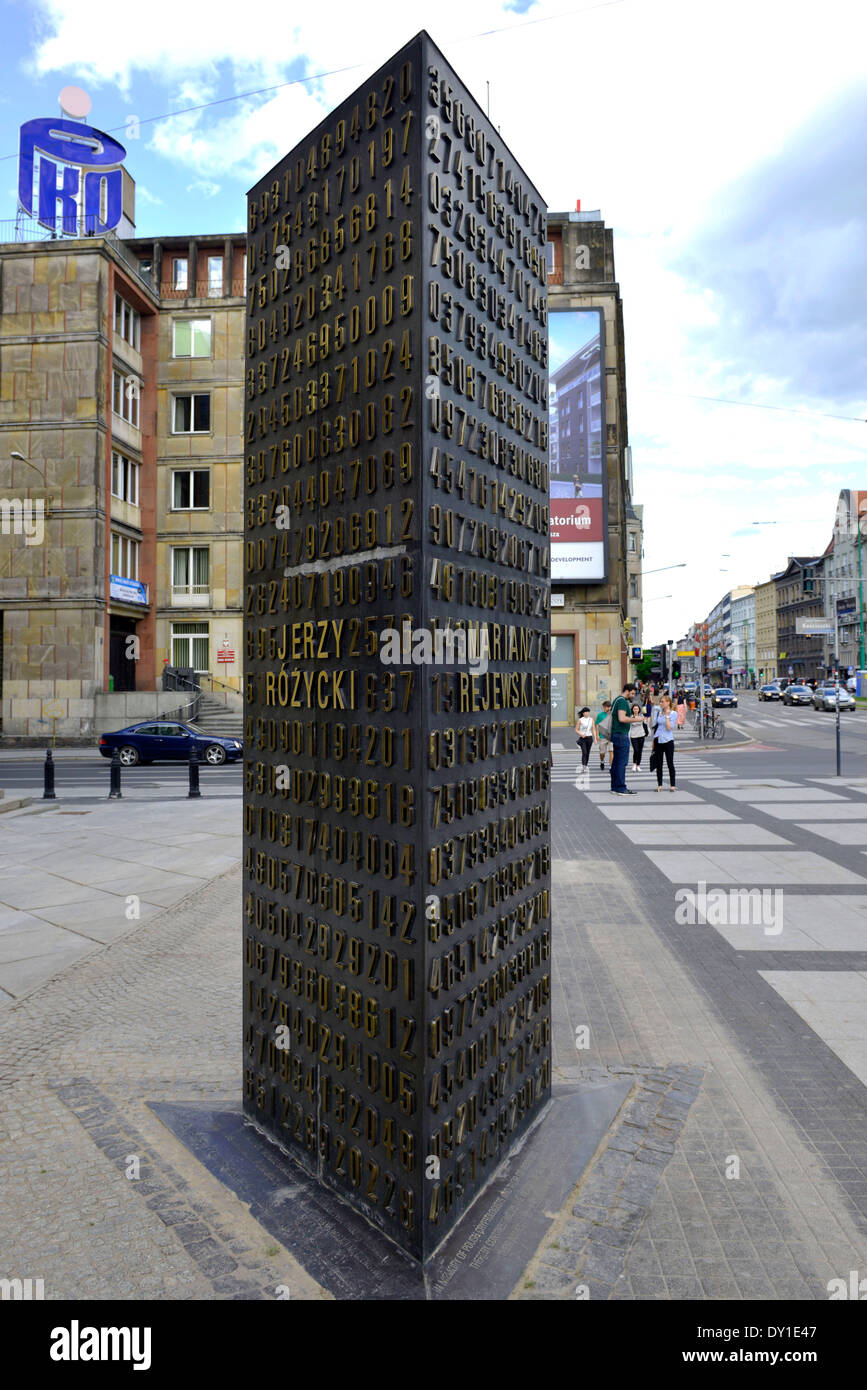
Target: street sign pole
701, 662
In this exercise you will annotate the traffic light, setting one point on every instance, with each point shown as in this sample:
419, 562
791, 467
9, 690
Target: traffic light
675, 670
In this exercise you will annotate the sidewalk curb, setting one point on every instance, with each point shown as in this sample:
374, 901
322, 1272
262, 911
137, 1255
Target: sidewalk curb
711, 745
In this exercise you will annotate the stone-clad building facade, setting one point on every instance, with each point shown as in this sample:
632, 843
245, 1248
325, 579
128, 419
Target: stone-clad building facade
121, 416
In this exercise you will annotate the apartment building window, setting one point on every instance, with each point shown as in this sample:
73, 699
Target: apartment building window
125, 393
633, 588
632, 542
191, 490
190, 646
191, 338
180, 271
127, 322
191, 572
124, 556
192, 413
215, 276
124, 478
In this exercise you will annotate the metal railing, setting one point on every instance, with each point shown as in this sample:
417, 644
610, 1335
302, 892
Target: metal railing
25, 229
203, 289
186, 713
220, 690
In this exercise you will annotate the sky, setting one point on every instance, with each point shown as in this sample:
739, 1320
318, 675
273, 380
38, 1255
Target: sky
724, 144
569, 330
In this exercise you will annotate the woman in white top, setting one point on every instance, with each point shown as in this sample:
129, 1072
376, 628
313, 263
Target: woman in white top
637, 735
586, 734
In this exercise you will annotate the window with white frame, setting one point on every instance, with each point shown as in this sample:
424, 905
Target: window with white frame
180, 271
127, 322
191, 490
124, 556
191, 565
124, 478
125, 393
192, 413
215, 276
191, 338
190, 646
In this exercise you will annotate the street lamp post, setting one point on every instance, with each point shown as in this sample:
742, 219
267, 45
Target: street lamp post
836, 685
860, 603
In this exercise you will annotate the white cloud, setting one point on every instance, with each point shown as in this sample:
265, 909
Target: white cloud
205, 187
653, 112
145, 196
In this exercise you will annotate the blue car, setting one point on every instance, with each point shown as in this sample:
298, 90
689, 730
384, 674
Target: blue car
156, 741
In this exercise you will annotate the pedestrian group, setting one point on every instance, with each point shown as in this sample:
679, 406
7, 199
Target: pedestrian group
620, 729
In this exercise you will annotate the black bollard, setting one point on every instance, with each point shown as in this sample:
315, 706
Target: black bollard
194, 770
48, 778
115, 792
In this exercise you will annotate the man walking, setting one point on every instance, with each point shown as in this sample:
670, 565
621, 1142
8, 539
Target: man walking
622, 720
603, 743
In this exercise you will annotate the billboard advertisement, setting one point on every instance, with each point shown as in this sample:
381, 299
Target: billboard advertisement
576, 405
90, 190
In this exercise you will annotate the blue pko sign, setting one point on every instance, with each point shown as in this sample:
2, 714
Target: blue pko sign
79, 170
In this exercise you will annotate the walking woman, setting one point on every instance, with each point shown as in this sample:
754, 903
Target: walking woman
586, 736
681, 709
663, 740
637, 735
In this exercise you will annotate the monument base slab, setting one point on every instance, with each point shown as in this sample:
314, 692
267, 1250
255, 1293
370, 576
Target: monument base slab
482, 1258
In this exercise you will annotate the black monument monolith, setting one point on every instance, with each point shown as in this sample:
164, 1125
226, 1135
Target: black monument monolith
396, 807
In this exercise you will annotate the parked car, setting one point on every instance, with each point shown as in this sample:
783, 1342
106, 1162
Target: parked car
826, 697
770, 692
797, 695
723, 696
151, 742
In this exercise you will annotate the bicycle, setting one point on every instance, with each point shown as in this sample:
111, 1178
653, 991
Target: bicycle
713, 726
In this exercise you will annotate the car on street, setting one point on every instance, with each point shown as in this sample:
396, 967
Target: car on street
826, 697
158, 741
723, 696
770, 692
797, 695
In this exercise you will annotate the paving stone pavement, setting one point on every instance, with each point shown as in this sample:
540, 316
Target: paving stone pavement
723, 1070
73, 880
773, 1098
155, 1015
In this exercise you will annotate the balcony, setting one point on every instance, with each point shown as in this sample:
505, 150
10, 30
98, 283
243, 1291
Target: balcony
203, 289
191, 595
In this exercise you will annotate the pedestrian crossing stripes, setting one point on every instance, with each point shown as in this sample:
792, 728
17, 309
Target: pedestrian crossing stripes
719, 860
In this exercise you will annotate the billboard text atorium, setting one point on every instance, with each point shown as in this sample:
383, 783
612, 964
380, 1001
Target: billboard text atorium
397, 800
